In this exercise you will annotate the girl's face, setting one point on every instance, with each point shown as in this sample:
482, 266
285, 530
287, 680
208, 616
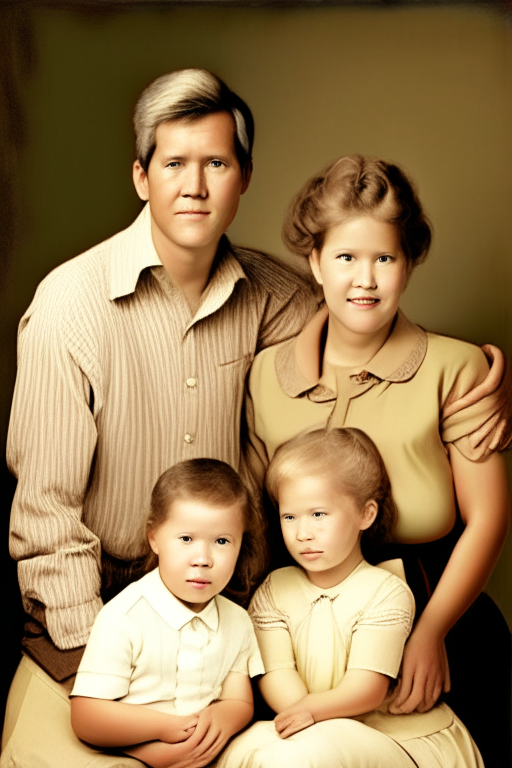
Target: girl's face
363, 272
322, 528
197, 548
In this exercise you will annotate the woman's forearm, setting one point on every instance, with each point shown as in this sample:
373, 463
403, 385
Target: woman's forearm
482, 494
282, 688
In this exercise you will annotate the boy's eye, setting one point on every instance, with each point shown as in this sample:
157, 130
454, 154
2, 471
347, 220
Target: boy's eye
186, 539
318, 514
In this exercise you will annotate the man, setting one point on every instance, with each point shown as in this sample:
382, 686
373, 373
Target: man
132, 357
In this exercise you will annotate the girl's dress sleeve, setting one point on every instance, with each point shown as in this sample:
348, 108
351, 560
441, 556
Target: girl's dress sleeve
382, 628
271, 627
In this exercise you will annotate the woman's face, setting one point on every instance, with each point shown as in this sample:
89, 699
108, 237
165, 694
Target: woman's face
363, 272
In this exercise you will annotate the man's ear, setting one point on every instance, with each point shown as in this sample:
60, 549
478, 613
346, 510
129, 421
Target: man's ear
369, 513
246, 176
140, 181
314, 263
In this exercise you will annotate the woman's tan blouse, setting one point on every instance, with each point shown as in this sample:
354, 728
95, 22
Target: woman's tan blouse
410, 399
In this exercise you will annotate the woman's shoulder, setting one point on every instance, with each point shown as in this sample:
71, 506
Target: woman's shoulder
447, 351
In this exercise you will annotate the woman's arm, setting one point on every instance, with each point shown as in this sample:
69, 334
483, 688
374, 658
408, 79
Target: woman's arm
115, 724
282, 688
482, 494
360, 691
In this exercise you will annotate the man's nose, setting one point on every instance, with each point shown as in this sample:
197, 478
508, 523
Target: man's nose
194, 182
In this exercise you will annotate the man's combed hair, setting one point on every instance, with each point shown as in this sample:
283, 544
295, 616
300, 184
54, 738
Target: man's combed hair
189, 94
358, 186
350, 461
215, 483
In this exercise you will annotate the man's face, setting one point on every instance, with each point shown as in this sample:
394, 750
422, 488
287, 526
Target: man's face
193, 184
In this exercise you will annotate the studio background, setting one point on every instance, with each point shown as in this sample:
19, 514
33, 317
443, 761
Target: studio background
429, 87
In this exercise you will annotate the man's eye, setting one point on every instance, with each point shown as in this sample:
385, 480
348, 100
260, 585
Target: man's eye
173, 164
217, 163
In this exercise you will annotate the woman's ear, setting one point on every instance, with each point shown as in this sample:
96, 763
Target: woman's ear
369, 514
314, 263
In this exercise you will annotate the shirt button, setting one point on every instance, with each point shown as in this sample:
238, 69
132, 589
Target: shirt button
191, 382
188, 438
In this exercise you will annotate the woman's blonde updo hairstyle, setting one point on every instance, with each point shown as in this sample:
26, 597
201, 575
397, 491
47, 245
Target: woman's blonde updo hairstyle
358, 186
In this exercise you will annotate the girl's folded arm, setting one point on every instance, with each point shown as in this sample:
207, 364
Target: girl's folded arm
107, 723
282, 688
360, 691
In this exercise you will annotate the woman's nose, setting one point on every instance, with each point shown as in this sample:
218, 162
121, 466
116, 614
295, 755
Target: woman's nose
365, 276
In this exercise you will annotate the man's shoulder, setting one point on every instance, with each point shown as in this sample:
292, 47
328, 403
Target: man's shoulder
270, 273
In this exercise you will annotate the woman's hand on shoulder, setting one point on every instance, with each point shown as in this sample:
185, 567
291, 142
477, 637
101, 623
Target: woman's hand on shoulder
425, 673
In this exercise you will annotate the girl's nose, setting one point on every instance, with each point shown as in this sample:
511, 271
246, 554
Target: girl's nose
304, 532
201, 557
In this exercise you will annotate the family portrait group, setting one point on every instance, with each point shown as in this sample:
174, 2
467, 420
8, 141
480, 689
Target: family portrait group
260, 455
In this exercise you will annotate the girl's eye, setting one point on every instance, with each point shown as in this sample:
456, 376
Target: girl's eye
318, 515
186, 539
385, 259
345, 257
288, 518
222, 541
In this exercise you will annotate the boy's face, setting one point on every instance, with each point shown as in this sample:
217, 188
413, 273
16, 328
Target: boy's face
322, 527
193, 184
197, 548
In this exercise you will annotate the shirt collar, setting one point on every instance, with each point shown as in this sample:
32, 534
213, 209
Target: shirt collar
136, 252
298, 361
172, 610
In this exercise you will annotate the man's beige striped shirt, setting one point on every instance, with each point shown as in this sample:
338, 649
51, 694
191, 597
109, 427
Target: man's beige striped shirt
116, 382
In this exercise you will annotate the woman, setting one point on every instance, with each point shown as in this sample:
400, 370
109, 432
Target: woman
361, 363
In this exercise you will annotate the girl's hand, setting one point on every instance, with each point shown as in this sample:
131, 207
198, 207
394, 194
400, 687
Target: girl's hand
179, 728
288, 722
425, 673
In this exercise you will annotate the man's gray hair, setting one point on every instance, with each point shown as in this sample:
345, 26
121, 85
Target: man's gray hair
188, 94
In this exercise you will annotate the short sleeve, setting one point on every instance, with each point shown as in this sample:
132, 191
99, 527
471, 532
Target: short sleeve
382, 629
106, 666
248, 660
271, 627
477, 414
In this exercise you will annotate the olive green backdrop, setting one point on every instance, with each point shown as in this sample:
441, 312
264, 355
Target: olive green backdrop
428, 87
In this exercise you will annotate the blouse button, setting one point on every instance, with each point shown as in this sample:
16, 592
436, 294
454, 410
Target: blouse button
191, 382
188, 438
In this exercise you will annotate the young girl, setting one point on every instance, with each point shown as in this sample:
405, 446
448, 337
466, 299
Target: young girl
332, 629
165, 674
